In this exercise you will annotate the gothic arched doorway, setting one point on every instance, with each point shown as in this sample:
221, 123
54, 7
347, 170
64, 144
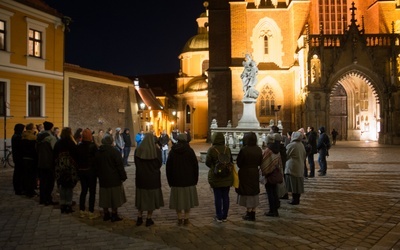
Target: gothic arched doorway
338, 111
354, 108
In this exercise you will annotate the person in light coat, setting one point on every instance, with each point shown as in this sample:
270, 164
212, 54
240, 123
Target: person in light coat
294, 171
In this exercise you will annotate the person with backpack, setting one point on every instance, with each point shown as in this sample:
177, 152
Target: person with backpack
44, 147
323, 146
220, 181
65, 155
248, 161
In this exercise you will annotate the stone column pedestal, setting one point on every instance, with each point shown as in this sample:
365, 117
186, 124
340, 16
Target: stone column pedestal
249, 118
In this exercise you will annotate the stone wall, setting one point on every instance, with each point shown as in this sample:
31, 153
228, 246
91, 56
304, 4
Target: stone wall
96, 105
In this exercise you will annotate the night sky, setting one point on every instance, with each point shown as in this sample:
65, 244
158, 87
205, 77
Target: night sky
128, 37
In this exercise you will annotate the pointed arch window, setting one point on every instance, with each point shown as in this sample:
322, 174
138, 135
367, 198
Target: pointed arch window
266, 45
267, 98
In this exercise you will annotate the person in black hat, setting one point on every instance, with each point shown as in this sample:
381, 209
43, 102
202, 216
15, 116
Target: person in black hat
46, 167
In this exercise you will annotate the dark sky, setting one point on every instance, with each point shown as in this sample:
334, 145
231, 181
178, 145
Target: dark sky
128, 37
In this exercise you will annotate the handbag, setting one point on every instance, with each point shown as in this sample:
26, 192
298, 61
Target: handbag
275, 177
235, 178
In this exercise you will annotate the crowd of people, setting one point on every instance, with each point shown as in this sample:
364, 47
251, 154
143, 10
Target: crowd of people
45, 158
285, 154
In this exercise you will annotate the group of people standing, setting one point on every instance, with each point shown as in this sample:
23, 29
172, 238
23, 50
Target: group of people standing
44, 159
255, 164
86, 158
82, 157
182, 172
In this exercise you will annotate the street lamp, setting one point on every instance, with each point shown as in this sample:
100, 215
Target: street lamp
174, 117
276, 110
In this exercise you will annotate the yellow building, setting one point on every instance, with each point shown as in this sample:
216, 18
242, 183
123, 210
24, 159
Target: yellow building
192, 83
31, 64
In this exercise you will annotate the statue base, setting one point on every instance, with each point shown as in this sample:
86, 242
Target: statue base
249, 118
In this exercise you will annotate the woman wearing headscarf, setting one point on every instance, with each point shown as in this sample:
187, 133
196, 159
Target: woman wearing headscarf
111, 173
220, 185
148, 163
294, 171
182, 171
248, 161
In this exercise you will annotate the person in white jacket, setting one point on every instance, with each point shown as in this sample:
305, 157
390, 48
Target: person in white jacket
294, 171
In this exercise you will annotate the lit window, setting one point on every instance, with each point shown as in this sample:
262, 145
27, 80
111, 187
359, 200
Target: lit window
333, 16
2, 35
35, 43
35, 101
267, 98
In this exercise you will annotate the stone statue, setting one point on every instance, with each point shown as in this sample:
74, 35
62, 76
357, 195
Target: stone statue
280, 125
271, 122
214, 123
249, 78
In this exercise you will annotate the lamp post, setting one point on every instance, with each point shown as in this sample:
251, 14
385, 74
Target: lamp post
276, 110
142, 106
174, 117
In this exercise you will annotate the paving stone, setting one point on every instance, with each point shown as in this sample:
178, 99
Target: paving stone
356, 206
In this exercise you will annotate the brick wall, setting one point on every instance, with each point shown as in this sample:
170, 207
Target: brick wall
96, 105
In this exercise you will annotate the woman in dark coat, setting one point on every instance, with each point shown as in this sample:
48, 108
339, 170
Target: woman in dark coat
148, 163
16, 144
182, 171
65, 154
86, 152
248, 161
220, 185
110, 170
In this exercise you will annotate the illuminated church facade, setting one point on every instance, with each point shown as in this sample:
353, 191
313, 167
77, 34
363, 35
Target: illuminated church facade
332, 63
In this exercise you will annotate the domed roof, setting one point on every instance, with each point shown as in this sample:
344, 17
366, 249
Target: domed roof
198, 42
198, 83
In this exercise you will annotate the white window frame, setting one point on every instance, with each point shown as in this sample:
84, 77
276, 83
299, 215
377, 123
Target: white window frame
36, 62
5, 54
42, 99
7, 81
